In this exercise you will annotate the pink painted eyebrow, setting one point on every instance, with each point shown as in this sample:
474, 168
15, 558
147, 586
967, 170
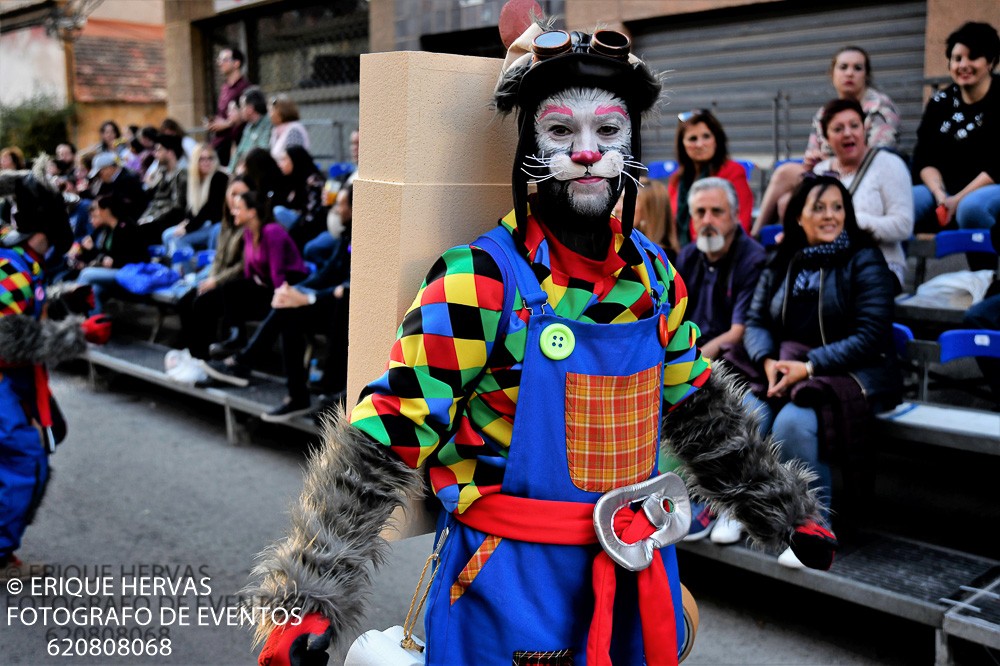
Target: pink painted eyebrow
602, 110
552, 108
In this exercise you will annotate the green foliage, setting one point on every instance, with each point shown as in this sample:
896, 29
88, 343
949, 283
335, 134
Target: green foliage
34, 125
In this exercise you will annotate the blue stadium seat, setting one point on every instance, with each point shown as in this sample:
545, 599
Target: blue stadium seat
960, 343
340, 170
205, 257
962, 240
662, 169
796, 160
768, 234
748, 166
182, 255
901, 336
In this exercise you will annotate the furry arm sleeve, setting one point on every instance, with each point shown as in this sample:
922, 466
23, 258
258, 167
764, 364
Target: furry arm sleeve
729, 463
323, 565
25, 340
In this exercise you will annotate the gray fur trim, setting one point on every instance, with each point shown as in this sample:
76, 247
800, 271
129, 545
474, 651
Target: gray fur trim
505, 95
26, 340
351, 487
38, 171
9, 179
728, 463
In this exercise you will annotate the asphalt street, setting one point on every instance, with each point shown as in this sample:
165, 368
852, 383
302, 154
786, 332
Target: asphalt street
147, 492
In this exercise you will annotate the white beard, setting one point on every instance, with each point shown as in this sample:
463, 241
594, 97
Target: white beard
710, 243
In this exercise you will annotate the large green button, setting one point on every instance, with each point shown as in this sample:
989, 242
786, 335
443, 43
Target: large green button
557, 341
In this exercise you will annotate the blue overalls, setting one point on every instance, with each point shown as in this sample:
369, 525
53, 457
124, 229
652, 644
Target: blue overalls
24, 465
587, 421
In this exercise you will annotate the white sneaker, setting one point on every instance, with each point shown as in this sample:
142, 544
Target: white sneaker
788, 559
727, 530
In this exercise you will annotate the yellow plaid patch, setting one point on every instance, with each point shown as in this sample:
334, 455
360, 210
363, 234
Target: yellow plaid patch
611, 428
475, 565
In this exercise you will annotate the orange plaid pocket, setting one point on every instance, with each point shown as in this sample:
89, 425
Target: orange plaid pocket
474, 566
612, 425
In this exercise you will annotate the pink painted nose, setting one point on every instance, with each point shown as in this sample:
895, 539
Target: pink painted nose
585, 157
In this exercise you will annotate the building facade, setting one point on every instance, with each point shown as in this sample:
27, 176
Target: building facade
106, 59
761, 65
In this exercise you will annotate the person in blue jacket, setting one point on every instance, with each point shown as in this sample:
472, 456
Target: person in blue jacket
30, 422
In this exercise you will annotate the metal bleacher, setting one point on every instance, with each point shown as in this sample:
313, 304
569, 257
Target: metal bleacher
938, 312
144, 360
903, 577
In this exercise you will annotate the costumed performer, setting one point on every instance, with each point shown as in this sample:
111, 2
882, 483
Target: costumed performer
30, 422
538, 374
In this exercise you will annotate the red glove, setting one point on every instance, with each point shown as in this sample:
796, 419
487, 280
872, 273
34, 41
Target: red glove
814, 545
302, 644
97, 329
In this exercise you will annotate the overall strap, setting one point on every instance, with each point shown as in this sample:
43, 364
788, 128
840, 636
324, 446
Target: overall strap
493, 244
499, 244
646, 247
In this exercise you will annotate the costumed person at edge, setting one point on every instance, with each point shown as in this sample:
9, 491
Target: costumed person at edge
536, 375
30, 422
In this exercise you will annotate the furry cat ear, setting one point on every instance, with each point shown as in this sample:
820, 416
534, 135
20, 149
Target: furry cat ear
505, 95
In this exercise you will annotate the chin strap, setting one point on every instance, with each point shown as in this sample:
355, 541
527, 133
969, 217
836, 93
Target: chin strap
631, 190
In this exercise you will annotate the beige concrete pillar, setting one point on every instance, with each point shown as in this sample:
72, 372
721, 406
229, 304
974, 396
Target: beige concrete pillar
434, 172
186, 80
381, 25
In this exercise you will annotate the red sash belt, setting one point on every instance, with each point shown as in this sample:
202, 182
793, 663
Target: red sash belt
572, 524
42, 396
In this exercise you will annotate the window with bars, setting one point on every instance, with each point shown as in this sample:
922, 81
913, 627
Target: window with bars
308, 50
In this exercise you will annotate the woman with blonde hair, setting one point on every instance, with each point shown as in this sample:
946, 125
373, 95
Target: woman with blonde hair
286, 129
206, 194
653, 217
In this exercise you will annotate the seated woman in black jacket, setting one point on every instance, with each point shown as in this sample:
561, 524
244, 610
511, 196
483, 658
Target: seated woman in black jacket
301, 211
820, 328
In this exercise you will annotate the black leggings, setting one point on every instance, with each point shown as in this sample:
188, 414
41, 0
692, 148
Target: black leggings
231, 304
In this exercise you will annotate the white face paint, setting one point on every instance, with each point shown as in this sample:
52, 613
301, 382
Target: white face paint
584, 138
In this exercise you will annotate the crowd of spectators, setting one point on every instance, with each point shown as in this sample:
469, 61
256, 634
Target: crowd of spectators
809, 323
225, 221
803, 326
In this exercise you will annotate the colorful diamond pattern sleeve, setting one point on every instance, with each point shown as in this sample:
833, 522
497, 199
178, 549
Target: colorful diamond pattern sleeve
16, 291
436, 404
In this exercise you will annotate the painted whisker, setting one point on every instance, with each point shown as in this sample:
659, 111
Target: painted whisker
634, 179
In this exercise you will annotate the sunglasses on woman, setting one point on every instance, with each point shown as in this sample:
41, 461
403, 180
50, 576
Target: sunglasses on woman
685, 116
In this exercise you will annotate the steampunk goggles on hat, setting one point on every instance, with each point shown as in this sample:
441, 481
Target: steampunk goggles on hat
556, 60
608, 43
603, 60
